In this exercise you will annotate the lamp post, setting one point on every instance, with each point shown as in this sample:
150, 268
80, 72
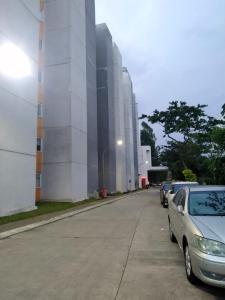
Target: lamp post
118, 143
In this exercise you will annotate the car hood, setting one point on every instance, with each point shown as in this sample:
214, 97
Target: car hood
212, 227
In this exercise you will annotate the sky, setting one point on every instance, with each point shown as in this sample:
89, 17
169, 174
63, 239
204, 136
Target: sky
173, 49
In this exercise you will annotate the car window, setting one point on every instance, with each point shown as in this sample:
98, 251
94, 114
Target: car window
182, 198
207, 203
177, 198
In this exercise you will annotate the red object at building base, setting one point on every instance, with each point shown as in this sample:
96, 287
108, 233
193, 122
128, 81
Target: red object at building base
143, 182
103, 193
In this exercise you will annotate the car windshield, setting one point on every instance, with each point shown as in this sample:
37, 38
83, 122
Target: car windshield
166, 187
207, 203
176, 187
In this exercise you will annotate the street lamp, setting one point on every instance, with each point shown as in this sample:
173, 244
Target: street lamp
119, 142
14, 62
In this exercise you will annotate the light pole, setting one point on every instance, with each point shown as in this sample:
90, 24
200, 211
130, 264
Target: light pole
118, 143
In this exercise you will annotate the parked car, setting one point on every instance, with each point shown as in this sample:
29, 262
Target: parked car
197, 222
163, 190
174, 187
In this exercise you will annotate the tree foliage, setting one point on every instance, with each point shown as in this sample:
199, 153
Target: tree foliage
195, 141
148, 138
189, 175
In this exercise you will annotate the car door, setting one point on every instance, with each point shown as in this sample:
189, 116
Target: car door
180, 217
173, 211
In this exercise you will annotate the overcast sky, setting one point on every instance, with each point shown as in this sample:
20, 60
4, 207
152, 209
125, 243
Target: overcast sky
174, 49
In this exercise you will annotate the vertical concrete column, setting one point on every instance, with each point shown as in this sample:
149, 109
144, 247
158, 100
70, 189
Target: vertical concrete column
106, 109
19, 32
129, 131
92, 154
135, 139
121, 180
65, 101
40, 98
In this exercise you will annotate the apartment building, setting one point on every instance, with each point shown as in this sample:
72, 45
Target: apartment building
92, 130
106, 109
19, 36
121, 185
67, 109
65, 101
129, 129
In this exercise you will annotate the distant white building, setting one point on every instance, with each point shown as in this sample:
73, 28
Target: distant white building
145, 165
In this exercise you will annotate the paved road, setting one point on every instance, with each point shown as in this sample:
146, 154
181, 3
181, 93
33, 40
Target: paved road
118, 251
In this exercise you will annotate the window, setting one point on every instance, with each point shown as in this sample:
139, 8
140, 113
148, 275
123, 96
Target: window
40, 110
207, 203
38, 180
182, 199
177, 198
39, 144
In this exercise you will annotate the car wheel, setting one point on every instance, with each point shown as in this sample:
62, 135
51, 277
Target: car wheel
188, 267
172, 236
164, 204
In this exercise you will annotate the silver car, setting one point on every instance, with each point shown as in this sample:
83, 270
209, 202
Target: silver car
197, 223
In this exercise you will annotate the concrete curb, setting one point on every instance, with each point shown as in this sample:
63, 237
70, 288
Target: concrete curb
8, 233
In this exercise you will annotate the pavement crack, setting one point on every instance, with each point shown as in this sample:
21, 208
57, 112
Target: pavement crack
128, 254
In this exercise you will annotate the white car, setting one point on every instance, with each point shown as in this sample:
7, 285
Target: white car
174, 187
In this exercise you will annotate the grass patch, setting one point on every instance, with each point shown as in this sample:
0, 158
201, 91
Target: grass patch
46, 208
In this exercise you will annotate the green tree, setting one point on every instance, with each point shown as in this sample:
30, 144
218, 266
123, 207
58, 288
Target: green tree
189, 175
148, 138
183, 125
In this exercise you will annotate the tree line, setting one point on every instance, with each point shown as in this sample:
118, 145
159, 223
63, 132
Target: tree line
195, 142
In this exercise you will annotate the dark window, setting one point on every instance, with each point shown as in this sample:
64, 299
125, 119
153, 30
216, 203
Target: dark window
38, 180
39, 144
39, 110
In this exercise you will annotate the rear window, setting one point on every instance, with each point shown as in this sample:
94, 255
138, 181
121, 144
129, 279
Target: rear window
177, 187
166, 187
207, 203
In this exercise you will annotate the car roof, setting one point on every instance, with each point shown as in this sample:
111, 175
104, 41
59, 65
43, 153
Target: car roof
205, 188
184, 182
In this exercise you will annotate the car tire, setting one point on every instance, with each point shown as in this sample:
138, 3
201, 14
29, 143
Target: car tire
164, 204
188, 266
172, 236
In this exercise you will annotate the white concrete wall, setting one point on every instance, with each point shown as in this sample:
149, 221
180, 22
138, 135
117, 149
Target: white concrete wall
121, 175
19, 24
65, 102
128, 101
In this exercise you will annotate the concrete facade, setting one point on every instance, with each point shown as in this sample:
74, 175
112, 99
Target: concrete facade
65, 101
135, 133
106, 109
121, 181
18, 108
129, 129
92, 142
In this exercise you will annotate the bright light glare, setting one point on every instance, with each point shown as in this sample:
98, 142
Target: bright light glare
147, 162
14, 62
119, 142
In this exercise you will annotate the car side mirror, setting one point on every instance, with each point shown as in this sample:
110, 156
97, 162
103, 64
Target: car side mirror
180, 209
